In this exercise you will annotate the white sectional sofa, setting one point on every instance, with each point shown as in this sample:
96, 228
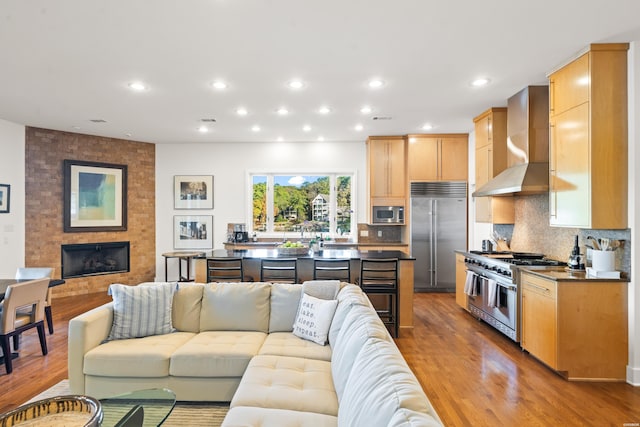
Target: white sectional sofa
234, 343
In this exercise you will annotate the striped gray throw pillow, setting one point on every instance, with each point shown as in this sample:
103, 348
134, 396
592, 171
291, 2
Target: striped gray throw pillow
141, 311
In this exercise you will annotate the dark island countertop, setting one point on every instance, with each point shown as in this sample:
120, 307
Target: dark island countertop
352, 254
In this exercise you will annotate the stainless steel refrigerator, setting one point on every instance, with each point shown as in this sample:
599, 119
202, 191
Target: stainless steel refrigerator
438, 227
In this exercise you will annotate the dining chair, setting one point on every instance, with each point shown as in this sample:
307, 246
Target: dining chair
14, 320
31, 273
380, 277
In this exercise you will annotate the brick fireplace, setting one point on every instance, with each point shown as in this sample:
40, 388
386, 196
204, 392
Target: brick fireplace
91, 259
45, 151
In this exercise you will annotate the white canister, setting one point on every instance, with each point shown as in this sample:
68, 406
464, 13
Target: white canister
603, 260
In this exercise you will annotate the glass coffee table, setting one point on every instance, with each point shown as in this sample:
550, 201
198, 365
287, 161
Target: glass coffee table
156, 403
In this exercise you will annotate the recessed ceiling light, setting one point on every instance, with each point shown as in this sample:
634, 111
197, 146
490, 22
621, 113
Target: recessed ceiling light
128, 134
219, 84
137, 86
255, 128
77, 127
358, 127
427, 126
481, 81
321, 138
306, 128
375, 83
242, 111
280, 139
365, 110
295, 84
203, 129
282, 111
324, 110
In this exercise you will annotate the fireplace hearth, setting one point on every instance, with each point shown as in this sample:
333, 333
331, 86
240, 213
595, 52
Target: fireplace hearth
91, 259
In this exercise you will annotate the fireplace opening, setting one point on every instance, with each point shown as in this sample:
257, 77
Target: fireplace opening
91, 259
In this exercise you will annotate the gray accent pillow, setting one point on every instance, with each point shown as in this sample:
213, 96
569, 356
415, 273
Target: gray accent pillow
141, 311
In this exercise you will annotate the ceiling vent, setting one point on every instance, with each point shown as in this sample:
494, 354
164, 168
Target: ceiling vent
98, 121
381, 118
208, 120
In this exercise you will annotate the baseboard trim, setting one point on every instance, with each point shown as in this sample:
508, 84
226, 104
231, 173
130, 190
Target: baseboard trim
633, 376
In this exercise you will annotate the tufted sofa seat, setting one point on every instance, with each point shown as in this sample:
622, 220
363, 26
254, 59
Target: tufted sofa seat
234, 343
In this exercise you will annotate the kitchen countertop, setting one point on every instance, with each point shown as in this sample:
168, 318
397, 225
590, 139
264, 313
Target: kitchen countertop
563, 274
326, 253
330, 243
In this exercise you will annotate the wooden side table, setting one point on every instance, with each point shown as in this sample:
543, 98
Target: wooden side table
182, 256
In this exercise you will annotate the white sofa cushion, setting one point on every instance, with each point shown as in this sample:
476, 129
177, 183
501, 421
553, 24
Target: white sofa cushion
244, 416
141, 311
314, 318
407, 418
285, 299
381, 379
287, 344
292, 383
361, 324
138, 357
187, 304
216, 354
235, 307
348, 296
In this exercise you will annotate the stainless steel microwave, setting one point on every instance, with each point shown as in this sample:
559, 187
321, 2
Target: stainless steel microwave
388, 215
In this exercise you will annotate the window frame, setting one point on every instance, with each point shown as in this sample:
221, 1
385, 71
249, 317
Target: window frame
333, 219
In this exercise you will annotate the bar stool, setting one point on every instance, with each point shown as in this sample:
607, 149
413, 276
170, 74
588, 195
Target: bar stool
380, 277
279, 270
332, 269
225, 270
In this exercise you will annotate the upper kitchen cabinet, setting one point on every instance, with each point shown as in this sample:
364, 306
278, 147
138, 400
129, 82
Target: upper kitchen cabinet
387, 171
588, 147
438, 157
491, 159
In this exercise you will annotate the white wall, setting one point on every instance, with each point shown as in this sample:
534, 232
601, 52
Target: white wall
229, 163
12, 141
633, 368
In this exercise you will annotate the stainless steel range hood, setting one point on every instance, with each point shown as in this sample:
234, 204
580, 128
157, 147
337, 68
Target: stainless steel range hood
527, 146
522, 179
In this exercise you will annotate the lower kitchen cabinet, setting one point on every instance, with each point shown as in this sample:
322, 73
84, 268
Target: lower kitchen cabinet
461, 277
576, 327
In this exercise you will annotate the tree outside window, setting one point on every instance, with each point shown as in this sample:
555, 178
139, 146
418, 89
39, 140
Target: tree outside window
319, 204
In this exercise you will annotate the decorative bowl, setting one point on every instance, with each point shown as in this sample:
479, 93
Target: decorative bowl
71, 410
292, 251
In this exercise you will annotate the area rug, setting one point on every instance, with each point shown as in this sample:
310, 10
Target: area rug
183, 414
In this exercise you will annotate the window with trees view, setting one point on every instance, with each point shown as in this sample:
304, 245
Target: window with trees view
302, 203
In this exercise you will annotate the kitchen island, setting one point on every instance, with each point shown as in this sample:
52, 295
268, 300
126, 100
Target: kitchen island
251, 265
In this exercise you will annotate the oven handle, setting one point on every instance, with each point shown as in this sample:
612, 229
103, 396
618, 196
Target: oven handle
480, 273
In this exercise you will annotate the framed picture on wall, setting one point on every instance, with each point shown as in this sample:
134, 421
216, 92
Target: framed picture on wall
95, 196
193, 232
193, 191
5, 198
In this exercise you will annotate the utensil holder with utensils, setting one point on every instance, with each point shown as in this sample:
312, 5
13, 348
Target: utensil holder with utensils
603, 260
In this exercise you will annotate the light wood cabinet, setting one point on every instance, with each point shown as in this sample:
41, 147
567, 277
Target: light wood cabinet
491, 159
461, 277
387, 171
441, 157
576, 327
588, 140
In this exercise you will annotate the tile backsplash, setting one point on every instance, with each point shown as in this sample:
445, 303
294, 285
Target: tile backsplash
368, 233
532, 233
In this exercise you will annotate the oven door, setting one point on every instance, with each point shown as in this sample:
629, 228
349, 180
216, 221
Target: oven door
505, 309
478, 299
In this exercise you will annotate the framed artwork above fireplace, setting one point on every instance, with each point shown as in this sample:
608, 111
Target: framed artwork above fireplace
95, 196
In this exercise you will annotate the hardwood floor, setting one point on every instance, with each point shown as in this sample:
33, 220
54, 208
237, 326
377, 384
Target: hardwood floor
472, 374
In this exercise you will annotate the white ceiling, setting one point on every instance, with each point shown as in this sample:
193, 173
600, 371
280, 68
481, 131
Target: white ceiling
65, 63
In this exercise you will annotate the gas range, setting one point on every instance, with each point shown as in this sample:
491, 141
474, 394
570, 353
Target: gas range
504, 264
494, 294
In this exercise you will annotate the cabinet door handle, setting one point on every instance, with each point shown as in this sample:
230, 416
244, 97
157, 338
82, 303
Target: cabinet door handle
542, 288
